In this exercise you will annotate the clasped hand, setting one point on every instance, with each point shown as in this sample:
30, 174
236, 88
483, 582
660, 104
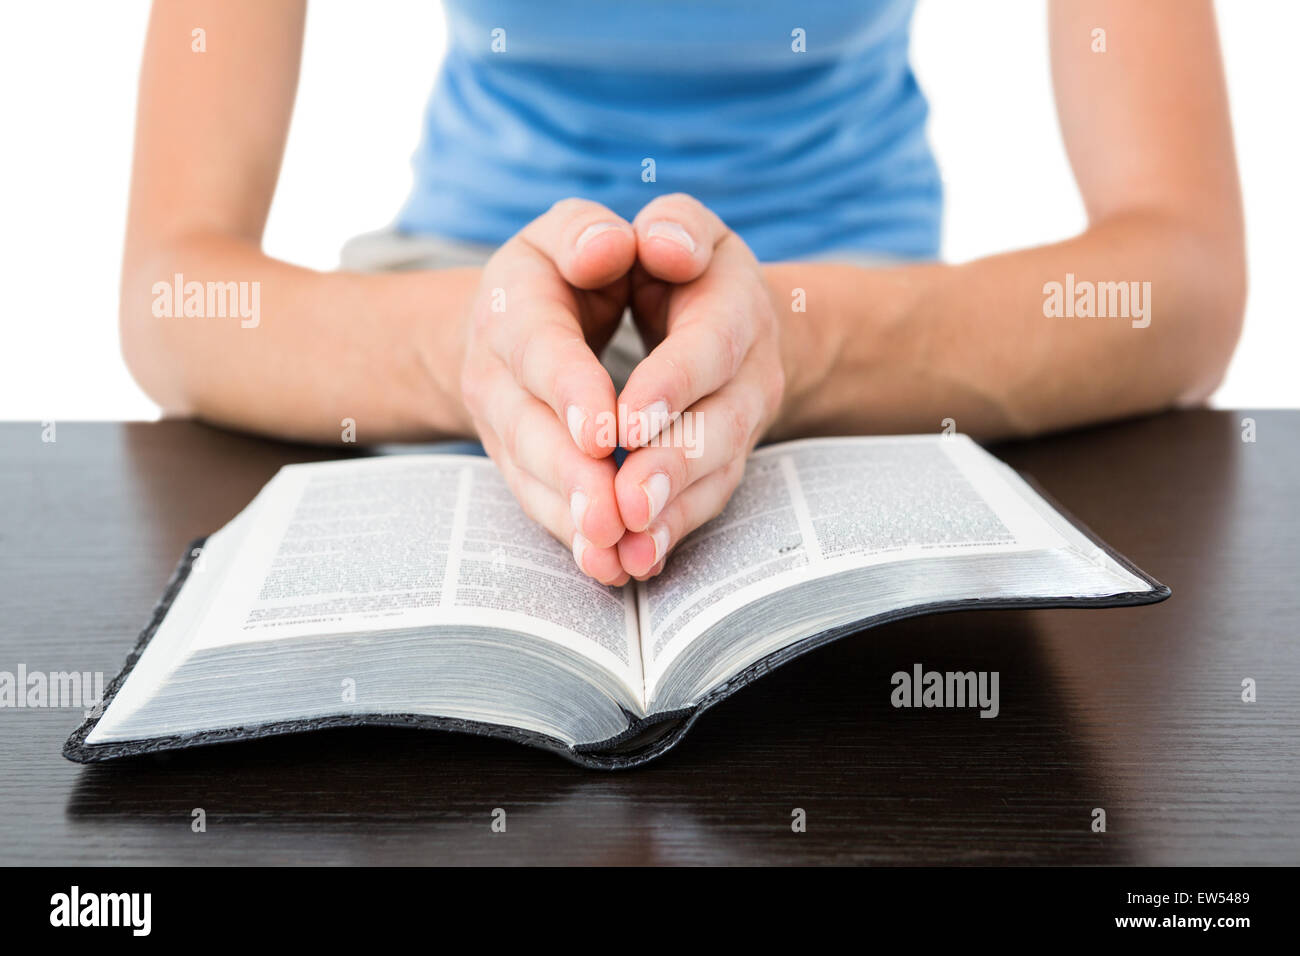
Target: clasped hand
545, 408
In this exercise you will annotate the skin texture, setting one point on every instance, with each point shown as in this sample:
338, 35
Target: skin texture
877, 350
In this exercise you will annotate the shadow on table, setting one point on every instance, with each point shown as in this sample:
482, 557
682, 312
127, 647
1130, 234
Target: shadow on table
877, 784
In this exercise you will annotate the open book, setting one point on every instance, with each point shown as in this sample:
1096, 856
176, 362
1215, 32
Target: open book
411, 590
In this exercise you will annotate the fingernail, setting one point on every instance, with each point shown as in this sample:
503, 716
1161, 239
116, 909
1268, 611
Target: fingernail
656, 489
591, 232
577, 420
578, 508
673, 232
660, 537
579, 549
648, 423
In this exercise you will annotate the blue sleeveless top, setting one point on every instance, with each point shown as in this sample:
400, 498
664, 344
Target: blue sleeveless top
801, 125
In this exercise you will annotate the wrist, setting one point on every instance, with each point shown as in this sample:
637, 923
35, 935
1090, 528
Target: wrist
808, 339
439, 312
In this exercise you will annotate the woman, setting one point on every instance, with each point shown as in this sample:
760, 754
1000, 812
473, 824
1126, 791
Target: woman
751, 180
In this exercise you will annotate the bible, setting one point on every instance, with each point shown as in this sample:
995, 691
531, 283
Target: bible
411, 590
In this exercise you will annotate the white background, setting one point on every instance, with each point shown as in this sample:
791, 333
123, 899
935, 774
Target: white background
68, 71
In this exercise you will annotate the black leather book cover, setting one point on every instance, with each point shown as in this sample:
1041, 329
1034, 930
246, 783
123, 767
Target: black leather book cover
644, 740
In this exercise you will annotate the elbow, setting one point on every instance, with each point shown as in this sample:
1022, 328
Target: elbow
147, 344
1220, 293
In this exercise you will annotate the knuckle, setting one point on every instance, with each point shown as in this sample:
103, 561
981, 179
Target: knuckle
568, 368
671, 462
508, 430
554, 387
573, 211
732, 426
567, 207
578, 477
680, 378
684, 201
517, 355
729, 343
678, 206
679, 469
511, 249
656, 204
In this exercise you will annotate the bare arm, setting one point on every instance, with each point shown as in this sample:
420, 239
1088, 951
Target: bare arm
383, 350
408, 356
902, 349
1147, 130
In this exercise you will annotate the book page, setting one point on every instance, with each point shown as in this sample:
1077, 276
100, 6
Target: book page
410, 541
811, 508
757, 537
510, 565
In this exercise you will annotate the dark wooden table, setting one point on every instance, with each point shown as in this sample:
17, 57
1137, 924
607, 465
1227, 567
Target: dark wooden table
1137, 711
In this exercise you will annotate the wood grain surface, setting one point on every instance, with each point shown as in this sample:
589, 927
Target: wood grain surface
1137, 711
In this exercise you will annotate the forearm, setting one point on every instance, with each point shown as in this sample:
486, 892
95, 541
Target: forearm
901, 349
380, 350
